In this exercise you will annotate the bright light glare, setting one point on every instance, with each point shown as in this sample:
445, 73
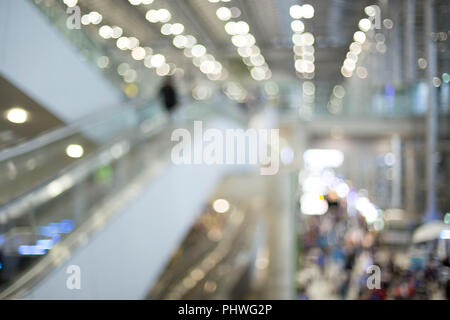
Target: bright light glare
180, 41
313, 204
163, 70
177, 28
367, 209
371, 11
163, 15
138, 53
17, 115
105, 32
297, 26
342, 190
221, 205
198, 50
359, 37
314, 184
71, 3
296, 11
223, 13
74, 151
365, 24
138, 2
157, 60
122, 43
116, 32
308, 11
95, 17
323, 158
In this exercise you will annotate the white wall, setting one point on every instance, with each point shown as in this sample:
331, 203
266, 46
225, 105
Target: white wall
36, 58
124, 259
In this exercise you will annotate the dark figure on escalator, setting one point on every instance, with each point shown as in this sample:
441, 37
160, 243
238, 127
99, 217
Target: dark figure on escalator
169, 95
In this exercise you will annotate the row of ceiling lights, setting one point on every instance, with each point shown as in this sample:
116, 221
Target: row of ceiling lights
303, 48
245, 43
335, 104
75, 151
205, 61
356, 46
138, 53
303, 41
241, 38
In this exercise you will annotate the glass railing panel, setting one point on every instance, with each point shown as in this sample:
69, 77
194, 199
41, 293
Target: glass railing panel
26, 166
34, 223
361, 101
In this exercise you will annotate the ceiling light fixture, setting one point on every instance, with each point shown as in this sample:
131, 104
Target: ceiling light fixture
17, 115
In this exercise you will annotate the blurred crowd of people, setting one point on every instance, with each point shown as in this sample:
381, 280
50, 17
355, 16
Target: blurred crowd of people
341, 258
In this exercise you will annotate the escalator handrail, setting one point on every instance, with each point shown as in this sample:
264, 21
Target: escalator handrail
72, 174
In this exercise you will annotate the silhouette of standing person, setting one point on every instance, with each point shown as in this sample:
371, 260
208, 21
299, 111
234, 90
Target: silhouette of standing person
169, 95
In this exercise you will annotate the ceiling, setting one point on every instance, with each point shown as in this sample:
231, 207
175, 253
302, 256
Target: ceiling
11, 133
333, 26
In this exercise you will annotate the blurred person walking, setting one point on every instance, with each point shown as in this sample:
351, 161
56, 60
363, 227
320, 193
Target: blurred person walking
169, 95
